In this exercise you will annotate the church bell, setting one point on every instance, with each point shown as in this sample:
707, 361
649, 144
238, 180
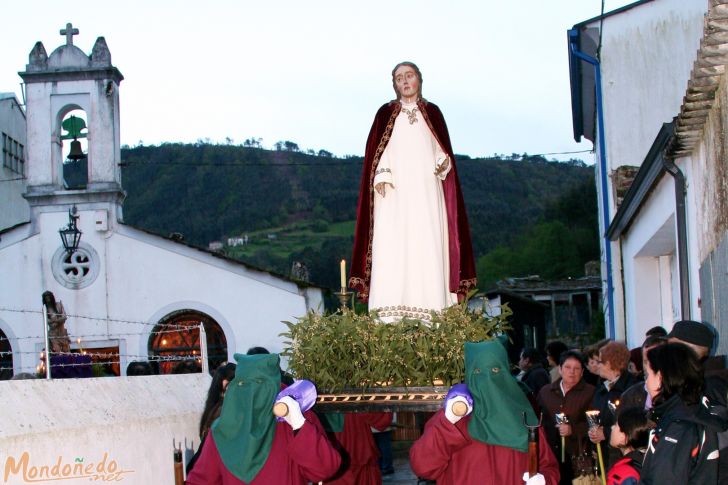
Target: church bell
76, 153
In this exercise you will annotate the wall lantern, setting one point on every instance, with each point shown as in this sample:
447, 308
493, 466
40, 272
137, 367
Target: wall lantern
71, 235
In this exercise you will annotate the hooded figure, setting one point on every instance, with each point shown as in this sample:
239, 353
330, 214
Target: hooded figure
489, 443
249, 446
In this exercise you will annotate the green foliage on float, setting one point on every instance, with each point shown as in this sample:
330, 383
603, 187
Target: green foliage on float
345, 350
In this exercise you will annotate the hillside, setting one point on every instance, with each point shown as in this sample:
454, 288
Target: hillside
296, 206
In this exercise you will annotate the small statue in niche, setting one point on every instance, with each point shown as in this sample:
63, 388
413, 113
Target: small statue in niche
56, 315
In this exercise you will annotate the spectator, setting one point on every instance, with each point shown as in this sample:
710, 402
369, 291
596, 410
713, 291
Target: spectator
220, 380
681, 451
630, 435
658, 331
553, 354
187, 367
571, 396
213, 405
286, 378
139, 368
698, 337
637, 395
591, 358
532, 372
701, 338
613, 358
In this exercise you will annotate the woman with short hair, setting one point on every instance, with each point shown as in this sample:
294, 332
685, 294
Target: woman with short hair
571, 397
613, 361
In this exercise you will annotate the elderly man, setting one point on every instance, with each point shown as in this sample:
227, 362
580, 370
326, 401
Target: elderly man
699, 337
412, 249
569, 397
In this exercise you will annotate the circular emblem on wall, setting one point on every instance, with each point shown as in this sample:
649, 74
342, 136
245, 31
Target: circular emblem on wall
78, 269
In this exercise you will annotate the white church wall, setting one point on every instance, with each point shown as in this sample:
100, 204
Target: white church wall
253, 304
123, 426
141, 279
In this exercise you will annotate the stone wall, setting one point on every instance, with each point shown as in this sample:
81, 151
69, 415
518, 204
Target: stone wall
119, 429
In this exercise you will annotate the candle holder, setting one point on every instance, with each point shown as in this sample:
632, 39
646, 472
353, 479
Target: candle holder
593, 420
560, 419
344, 298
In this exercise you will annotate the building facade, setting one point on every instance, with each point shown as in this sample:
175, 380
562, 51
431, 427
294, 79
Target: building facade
12, 170
650, 75
129, 295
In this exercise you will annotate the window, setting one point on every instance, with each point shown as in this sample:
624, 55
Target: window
13, 155
175, 342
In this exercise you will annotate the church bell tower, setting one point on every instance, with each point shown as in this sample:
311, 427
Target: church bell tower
73, 151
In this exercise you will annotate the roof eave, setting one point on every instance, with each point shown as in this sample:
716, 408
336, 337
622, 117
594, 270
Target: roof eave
650, 172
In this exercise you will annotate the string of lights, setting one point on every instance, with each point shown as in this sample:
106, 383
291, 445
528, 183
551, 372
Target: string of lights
150, 358
85, 317
159, 359
173, 329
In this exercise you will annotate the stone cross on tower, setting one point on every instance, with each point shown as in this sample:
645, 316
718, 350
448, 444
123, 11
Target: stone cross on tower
69, 32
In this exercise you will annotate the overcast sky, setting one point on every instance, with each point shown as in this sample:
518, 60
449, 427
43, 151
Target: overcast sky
315, 72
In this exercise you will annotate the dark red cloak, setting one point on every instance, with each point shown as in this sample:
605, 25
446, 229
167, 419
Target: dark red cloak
462, 265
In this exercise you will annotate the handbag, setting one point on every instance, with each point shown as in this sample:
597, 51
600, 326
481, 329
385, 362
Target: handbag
583, 465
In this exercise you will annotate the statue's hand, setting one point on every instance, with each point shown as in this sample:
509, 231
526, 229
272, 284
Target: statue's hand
381, 188
439, 169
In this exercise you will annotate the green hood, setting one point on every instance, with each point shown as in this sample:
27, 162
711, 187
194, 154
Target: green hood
499, 403
244, 431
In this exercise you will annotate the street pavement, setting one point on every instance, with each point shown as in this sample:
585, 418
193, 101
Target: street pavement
402, 472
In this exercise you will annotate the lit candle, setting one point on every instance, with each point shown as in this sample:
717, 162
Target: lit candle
343, 275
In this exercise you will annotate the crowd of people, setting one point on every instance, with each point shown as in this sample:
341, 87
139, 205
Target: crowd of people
654, 414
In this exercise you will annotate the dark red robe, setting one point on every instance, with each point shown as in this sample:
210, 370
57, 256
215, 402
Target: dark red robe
462, 265
360, 452
446, 453
295, 458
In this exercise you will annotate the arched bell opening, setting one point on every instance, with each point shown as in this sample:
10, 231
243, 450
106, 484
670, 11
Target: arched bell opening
74, 149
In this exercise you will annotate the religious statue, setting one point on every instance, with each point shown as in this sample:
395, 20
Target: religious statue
56, 316
412, 248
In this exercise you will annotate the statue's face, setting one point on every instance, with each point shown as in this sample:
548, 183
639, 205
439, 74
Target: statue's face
407, 82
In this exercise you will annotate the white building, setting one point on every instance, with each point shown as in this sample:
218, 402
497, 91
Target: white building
125, 290
652, 100
12, 170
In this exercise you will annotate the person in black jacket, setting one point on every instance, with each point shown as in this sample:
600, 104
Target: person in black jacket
681, 450
613, 360
532, 372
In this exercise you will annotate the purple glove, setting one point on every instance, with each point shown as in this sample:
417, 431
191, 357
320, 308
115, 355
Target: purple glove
458, 392
303, 392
